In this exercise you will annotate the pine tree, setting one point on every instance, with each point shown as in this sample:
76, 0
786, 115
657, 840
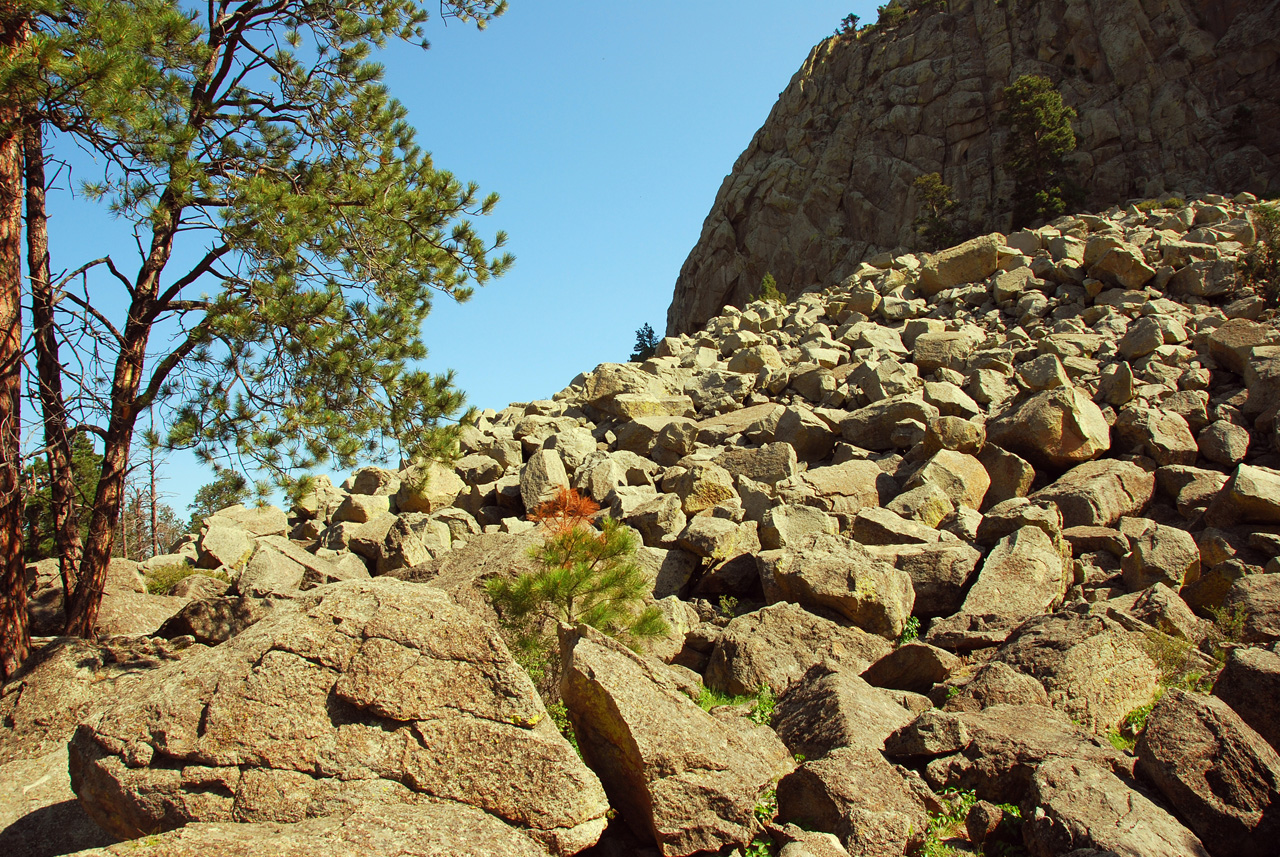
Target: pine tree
646, 344
40, 539
934, 223
1040, 138
228, 489
265, 143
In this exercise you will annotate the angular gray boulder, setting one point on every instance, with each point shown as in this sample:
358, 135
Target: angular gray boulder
778, 644
1250, 684
830, 708
1094, 669
829, 573
855, 794
422, 828
1081, 805
1057, 428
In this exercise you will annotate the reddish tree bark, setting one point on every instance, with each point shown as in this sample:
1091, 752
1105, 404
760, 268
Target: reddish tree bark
57, 438
15, 634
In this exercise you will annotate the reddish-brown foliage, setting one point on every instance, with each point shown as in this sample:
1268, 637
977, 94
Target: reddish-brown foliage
566, 512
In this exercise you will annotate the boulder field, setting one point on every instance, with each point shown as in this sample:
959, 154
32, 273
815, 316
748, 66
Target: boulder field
988, 535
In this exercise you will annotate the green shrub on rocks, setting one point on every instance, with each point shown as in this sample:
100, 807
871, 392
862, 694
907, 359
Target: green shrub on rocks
161, 579
1262, 267
769, 291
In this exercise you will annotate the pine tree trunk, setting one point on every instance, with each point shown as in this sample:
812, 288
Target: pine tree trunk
57, 438
15, 634
151, 467
110, 496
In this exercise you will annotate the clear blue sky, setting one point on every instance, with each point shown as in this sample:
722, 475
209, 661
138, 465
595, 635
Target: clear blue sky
607, 129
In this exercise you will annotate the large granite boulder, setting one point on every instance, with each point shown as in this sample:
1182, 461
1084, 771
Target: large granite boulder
1219, 774
1057, 429
423, 828
855, 794
1023, 576
777, 645
1250, 684
831, 707
1085, 806
62, 683
678, 776
358, 692
1099, 493
1094, 669
1002, 746
829, 573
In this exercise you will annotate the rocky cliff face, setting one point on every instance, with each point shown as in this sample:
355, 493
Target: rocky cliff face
1172, 95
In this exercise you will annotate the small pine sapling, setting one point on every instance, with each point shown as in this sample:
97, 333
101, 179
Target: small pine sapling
586, 576
1261, 269
848, 25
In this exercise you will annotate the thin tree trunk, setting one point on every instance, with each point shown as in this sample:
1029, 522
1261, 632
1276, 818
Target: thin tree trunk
15, 633
57, 438
155, 499
87, 597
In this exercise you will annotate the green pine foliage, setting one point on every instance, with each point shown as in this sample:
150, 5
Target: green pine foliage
1040, 138
936, 221
892, 13
228, 489
586, 576
646, 344
265, 146
769, 291
1262, 268
86, 465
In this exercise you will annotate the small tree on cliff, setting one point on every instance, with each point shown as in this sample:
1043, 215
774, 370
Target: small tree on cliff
646, 344
1040, 138
265, 144
935, 222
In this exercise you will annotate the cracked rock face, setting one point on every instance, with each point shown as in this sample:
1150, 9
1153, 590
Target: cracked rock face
365, 692
826, 183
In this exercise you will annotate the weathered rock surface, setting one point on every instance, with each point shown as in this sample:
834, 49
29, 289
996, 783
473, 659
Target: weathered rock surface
855, 794
1094, 670
829, 708
826, 573
66, 681
678, 776
362, 692
1219, 774
1099, 493
1057, 429
422, 828
1081, 806
1007, 743
1250, 684
777, 645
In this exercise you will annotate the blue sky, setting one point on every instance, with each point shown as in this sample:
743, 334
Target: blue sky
607, 129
